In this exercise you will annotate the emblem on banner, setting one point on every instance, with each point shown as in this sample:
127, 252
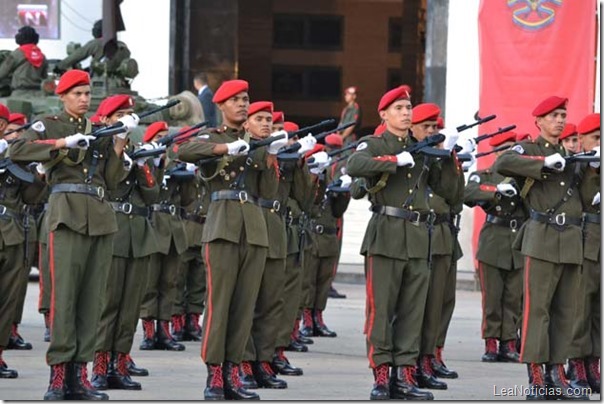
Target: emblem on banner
533, 14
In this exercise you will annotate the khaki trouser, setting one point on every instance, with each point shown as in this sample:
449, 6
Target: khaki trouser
233, 276
320, 274
434, 303
123, 297
11, 270
79, 266
586, 329
395, 302
191, 285
550, 292
160, 294
448, 304
290, 296
501, 291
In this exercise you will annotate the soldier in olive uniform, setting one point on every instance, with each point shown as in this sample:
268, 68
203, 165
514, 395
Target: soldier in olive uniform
162, 272
132, 246
350, 113
584, 362
79, 168
499, 266
26, 65
235, 238
570, 138
396, 244
552, 244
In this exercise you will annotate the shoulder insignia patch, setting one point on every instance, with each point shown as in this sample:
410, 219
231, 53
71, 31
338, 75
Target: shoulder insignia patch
362, 146
518, 149
38, 126
474, 178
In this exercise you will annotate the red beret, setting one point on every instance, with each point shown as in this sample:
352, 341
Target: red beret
72, 78
278, 116
502, 138
154, 129
17, 118
523, 136
440, 122
334, 140
228, 89
570, 129
4, 112
401, 92
425, 112
111, 105
549, 104
589, 124
351, 90
290, 126
258, 106
318, 148
381, 128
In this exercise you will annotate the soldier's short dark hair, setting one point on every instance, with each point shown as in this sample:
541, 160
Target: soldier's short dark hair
97, 29
26, 35
201, 76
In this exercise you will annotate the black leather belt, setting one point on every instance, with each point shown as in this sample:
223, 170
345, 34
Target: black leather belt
193, 217
560, 219
591, 217
129, 209
272, 204
163, 208
320, 229
6, 213
440, 218
231, 195
409, 215
92, 190
513, 223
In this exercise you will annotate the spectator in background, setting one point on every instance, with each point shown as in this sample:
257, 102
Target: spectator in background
205, 94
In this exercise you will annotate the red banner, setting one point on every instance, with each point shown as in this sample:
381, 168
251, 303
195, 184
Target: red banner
530, 50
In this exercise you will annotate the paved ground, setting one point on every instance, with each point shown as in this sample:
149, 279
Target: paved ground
334, 369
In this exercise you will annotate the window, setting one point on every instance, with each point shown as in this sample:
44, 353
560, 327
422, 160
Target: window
394, 78
395, 34
307, 83
304, 31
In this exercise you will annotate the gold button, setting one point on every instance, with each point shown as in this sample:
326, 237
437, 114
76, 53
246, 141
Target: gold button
399, 139
410, 207
241, 168
130, 217
547, 145
127, 182
409, 175
431, 195
512, 203
561, 183
255, 165
85, 170
410, 191
227, 177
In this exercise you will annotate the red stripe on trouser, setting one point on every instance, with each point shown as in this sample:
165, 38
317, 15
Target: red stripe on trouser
526, 308
209, 306
483, 292
370, 311
51, 267
41, 278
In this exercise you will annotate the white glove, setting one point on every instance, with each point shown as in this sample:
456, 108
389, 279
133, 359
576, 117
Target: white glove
307, 143
71, 142
556, 162
320, 161
274, 147
507, 190
596, 200
450, 140
190, 167
346, 181
467, 144
127, 162
238, 147
40, 169
405, 159
3, 145
466, 165
596, 164
129, 121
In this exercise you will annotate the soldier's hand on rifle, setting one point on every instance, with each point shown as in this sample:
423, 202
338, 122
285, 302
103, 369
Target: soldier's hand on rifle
507, 190
467, 144
72, 142
3, 145
130, 122
596, 164
468, 163
346, 181
405, 159
307, 143
596, 200
274, 147
238, 147
190, 167
450, 140
555, 162
127, 162
321, 160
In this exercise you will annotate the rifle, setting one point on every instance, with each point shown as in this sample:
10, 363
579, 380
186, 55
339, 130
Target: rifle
586, 157
426, 146
118, 127
253, 146
166, 141
478, 122
468, 157
16, 170
296, 146
335, 153
22, 127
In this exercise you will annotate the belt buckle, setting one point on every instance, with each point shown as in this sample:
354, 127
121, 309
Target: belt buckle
560, 219
431, 217
2, 210
415, 221
242, 196
172, 209
100, 192
319, 229
126, 207
513, 224
276, 205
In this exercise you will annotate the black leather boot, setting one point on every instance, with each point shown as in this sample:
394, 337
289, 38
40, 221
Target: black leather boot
47, 327
78, 386
265, 376
233, 389
334, 294
299, 338
403, 385
321, 329
557, 378
507, 351
295, 346
192, 328
178, 327
16, 341
148, 342
164, 339
99, 370
5, 372
592, 366
424, 376
307, 327
490, 350
118, 376
381, 386
577, 374
56, 386
214, 390
135, 370
440, 369
282, 366
304, 340
537, 387
246, 375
